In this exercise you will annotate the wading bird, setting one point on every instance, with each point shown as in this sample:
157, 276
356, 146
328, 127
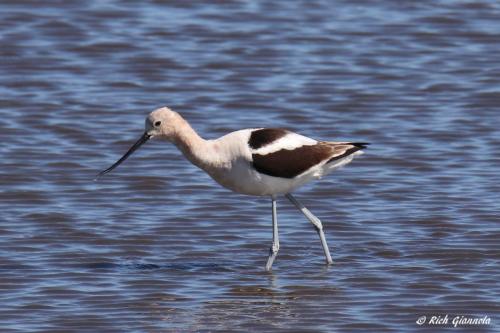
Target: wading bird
259, 161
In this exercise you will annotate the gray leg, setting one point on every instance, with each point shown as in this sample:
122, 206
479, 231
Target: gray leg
317, 225
273, 251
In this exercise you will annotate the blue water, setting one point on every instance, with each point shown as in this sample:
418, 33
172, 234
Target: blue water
157, 246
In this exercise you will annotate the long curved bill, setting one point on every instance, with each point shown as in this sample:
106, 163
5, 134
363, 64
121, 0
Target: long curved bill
143, 139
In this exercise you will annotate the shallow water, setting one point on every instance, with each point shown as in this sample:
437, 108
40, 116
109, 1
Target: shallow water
157, 246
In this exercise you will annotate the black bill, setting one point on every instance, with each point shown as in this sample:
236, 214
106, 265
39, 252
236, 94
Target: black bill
144, 138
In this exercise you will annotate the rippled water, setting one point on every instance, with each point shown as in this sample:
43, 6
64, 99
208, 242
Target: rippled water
157, 246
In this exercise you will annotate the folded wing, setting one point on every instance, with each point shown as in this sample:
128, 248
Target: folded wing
291, 154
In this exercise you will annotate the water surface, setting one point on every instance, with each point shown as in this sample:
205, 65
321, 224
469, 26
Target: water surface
157, 246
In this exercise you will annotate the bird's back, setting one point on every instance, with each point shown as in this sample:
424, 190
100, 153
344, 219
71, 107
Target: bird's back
268, 161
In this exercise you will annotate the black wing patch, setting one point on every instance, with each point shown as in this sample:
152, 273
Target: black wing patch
291, 163
263, 137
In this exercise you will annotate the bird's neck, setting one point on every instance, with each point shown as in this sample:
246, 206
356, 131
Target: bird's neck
196, 149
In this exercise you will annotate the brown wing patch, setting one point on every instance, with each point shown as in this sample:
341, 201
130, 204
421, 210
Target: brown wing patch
263, 137
290, 163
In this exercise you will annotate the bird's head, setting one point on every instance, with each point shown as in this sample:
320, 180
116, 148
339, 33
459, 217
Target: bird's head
161, 124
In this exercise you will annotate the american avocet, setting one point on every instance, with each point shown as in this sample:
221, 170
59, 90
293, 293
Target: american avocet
257, 161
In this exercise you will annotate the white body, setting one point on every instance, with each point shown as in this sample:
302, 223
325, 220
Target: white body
228, 160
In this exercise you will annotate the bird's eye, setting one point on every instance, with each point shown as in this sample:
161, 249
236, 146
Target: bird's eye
158, 123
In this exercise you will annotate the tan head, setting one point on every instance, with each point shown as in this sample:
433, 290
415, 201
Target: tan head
162, 123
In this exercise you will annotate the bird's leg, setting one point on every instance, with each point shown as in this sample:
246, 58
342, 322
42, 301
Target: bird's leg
273, 251
317, 225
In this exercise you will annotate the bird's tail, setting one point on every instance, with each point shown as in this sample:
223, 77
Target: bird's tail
360, 145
